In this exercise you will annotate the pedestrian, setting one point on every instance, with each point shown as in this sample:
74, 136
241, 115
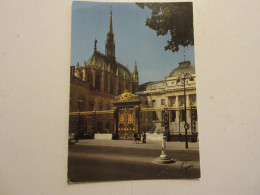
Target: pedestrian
135, 137
144, 137
138, 137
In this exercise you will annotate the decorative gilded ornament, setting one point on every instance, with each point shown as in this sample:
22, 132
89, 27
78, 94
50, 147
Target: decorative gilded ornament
126, 96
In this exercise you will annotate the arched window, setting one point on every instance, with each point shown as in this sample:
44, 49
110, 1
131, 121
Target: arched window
111, 86
97, 82
90, 78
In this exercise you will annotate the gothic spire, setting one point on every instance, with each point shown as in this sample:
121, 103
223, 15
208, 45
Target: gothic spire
95, 45
110, 29
135, 74
110, 43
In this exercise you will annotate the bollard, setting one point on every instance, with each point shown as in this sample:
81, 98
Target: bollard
163, 155
163, 159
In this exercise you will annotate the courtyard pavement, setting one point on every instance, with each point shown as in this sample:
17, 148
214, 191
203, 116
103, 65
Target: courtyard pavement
172, 145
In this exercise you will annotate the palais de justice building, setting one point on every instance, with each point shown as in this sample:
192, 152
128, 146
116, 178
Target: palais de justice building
167, 96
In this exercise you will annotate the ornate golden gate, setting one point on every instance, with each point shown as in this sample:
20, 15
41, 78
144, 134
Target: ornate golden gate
126, 123
126, 115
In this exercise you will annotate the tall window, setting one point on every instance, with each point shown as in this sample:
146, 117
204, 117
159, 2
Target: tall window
182, 99
154, 116
111, 86
193, 99
120, 89
90, 78
153, 103
173, 115
80, 103
182, 115
173, 100
162, 101
97, 82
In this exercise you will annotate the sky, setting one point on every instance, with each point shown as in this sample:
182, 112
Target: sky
133, 40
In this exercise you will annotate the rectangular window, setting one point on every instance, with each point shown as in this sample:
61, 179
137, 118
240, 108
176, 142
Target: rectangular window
182, 100
153, 103
173, 100
193, 99
182, 115
162, 101
173, 115
154, 116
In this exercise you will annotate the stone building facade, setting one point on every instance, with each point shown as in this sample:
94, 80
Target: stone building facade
168, 96
95, 84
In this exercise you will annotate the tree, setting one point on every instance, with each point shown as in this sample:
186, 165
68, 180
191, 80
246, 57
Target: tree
173, 18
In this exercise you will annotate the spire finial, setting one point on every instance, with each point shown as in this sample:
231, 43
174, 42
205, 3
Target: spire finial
110, 44
95, 45
110, 29
135, 68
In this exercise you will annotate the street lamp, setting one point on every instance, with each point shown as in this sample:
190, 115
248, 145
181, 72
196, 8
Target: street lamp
182, 77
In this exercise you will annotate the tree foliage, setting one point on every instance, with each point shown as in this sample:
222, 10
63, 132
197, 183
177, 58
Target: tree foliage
173, 18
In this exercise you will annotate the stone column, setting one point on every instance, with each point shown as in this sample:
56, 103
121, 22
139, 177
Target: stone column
177, 102
187, 100
177, 121
188, 113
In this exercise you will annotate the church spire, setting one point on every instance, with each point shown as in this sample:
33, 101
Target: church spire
135, 68
110, 44
135, 74
110, 29
95, 45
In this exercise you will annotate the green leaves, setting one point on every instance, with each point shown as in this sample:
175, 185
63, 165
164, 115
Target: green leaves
173, 18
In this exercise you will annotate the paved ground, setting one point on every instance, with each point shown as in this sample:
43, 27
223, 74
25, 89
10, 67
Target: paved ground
173, 145
113, 160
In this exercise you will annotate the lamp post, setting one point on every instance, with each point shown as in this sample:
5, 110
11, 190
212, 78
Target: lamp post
182, 77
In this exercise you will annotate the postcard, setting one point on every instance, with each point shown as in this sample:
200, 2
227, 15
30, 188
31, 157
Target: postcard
133, 108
